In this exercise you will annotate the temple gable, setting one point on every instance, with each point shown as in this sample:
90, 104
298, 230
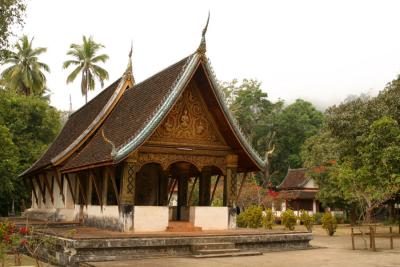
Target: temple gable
189, 122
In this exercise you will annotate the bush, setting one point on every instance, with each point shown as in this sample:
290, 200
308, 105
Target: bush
288, 219
329, 223
269, 219
317, 218
250, 218
339, 218
307, 220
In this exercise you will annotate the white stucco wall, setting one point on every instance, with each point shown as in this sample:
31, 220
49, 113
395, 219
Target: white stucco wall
209, 218
150, 218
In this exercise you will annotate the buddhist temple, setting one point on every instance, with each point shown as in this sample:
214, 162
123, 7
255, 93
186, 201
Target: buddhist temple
120, 158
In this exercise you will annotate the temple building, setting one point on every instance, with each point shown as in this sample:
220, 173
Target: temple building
299, 191
121, 157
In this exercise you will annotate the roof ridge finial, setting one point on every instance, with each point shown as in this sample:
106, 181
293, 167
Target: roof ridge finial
129, 72
203, 47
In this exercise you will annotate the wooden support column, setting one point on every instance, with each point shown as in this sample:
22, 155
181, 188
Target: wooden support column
89, 188
41, 188
96, 188
33, 190
80, 189
128, 188
191, 191
71, 190
104, 190
57, 175
163, 188
46, 182
231, 179
111, 174
205, 187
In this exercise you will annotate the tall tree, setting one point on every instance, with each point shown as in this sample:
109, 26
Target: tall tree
293, 126
27, 126
11, 14
85, 58
24, 73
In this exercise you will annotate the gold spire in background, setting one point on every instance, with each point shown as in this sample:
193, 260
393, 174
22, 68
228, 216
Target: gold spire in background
203, 47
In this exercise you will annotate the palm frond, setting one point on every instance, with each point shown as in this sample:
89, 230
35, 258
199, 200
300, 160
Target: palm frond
72, 76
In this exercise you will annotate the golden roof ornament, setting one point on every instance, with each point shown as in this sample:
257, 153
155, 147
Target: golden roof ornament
128, 71
203, 47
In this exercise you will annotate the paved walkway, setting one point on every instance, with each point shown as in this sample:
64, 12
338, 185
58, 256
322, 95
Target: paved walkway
330, 251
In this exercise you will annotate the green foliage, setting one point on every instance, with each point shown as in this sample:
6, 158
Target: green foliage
329, 223
24, 71
85, 58
307, 220
270, 124
27, 126
269, 219
251, 218
339, 218
11, 14
317, 217
288, 219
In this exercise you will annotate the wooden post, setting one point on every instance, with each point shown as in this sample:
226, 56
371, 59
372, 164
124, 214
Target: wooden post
96, 188
370, 237
70, 188
352, 239
46, 182
34, 190
78, 180
114, 184
58, 180
41, 188
391, 237
373, 238
105, 186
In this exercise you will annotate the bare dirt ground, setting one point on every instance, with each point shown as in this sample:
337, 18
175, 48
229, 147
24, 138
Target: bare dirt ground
328, 251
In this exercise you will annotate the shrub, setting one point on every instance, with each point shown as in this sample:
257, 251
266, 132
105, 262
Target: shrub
317, 217
339, 218
307, 220
329, 223
288, 219
250, 218
269, 219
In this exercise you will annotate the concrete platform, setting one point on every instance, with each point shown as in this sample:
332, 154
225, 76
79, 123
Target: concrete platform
86, 244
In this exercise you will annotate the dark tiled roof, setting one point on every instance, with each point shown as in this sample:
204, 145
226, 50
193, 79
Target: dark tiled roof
295, 178
128, 117
74, 127
299, 194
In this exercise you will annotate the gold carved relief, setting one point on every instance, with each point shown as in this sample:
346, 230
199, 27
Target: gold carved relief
188, 122
165, 160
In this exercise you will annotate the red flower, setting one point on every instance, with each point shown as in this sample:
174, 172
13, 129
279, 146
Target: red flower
273, 193
23, 230
7, 239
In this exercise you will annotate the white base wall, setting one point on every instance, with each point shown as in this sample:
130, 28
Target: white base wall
150, 218
210, 218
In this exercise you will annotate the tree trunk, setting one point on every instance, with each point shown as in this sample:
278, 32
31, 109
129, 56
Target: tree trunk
368, 215
352, 216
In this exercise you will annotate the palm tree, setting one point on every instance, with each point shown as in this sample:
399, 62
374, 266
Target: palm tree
85, 58
25, 73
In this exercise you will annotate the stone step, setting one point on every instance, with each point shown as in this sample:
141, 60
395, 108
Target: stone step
216, 251
233, 254
177, 226
220, 245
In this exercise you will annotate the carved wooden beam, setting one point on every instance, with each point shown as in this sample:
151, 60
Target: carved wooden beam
41, 188
191, 191
33, 190
58, 180
241, 185
172, 190
96, 188
214, 189
83, 193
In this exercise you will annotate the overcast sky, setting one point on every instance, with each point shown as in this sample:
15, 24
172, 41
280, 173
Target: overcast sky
320, 51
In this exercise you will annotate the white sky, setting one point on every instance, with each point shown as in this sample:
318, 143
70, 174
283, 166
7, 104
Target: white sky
320, 51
